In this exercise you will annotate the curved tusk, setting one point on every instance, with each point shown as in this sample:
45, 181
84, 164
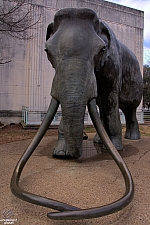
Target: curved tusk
14, 185
115, 206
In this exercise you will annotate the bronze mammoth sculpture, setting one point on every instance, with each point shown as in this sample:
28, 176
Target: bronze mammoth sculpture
91, 63
85, 54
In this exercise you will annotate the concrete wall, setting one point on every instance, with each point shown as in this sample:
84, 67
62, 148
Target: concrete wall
26, 80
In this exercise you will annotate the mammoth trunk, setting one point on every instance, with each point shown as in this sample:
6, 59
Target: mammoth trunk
74, 85
73, 120
73, 100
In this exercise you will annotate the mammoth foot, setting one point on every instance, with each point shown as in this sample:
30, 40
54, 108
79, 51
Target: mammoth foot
117, 142
133, 134
60, 150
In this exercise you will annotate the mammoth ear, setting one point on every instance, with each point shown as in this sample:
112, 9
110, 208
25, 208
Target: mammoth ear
105, 35
50, 31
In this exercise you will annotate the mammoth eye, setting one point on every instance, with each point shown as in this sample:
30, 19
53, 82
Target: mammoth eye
46, 50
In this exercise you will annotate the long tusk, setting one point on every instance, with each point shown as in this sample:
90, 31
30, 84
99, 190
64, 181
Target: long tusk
115, 206
14, 185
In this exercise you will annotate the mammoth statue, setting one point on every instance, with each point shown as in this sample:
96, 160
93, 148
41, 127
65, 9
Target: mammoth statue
91, 63
91, 67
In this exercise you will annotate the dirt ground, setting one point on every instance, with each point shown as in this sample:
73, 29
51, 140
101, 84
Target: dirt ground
90, 181
16, 132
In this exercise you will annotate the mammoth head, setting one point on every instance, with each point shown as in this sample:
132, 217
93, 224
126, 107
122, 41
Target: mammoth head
82, 16
73, 14
75, 31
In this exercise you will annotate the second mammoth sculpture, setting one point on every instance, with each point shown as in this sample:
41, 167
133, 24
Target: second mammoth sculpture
91, 63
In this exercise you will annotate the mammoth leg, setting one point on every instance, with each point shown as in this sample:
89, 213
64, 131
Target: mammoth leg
97, 138
60, 148
132, 127
111, 121
113, 127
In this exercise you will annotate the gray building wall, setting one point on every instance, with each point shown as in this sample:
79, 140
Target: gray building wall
26, 80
